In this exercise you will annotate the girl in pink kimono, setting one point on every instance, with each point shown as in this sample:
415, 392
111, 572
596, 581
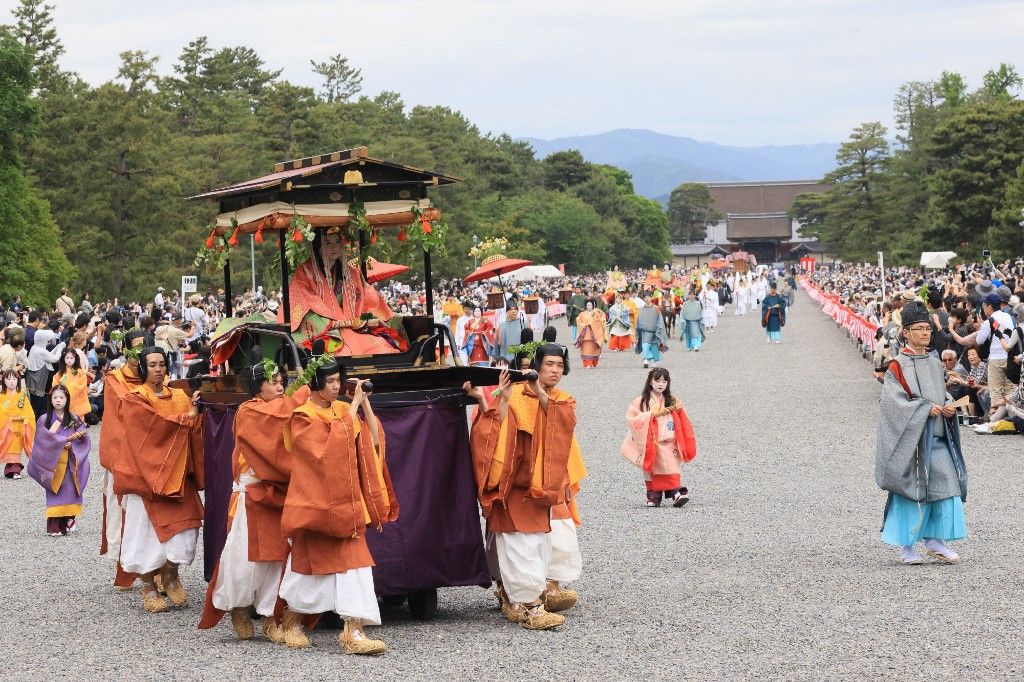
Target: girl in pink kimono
660, 437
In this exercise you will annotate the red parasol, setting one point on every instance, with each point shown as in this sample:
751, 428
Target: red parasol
377, 271
495, 266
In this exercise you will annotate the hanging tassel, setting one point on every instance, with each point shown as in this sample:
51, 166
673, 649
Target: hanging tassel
210, 240
259, 235
427, 228
401, 235
234, 238
297, 235
373, 237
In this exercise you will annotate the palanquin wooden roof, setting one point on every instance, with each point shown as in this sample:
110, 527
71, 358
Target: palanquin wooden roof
326, 171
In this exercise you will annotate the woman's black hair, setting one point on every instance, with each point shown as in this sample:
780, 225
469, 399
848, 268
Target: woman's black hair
69, 421
318, 240
3, 378
645, 396
62, 366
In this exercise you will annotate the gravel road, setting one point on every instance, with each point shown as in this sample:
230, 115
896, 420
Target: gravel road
774, 570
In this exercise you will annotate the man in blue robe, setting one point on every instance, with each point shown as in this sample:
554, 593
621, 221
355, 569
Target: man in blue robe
773, 314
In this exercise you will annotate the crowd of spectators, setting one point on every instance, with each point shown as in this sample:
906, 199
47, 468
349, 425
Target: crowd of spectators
976, 316
32, 339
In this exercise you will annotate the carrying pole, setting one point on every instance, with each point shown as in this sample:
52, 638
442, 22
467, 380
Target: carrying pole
881, 272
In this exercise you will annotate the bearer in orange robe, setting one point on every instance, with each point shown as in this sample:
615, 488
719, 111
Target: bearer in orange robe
116, 385
249, 571
339, 486
159, 473
528, 467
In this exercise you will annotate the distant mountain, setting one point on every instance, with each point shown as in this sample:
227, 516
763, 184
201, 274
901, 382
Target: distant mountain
660, 162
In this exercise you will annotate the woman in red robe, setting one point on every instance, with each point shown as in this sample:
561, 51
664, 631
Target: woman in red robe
479, 344
331, 300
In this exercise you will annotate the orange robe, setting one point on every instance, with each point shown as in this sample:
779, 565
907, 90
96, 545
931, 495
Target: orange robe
259, 445
527, 466
259, 441
115, 386
77, 383
339, 485
161, 458
17, 426
592, 335
315, 304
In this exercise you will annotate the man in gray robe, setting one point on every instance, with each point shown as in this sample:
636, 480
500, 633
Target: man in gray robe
509, 332
652, 338
918, 460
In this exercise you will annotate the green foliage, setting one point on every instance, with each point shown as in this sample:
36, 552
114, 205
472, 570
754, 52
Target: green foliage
953, 183
690, 212
977, 151
32, 262
18, 113
857, 199
563, 170
1000, 84
34, 29
116, 160
341, 81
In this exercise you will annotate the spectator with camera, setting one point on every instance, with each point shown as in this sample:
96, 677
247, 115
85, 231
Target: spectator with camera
997, 324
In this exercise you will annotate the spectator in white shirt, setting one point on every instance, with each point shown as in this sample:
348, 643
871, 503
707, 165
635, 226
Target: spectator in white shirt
996, 325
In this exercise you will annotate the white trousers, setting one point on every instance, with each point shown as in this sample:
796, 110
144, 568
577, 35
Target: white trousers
566, 562
141, 550
114, 511
349, 594
523, 560
241, 582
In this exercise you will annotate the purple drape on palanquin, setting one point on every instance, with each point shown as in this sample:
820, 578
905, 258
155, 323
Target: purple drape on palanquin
436, 541
218, 444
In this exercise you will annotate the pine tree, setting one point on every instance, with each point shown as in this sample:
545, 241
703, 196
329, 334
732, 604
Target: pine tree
34, 29
342, 82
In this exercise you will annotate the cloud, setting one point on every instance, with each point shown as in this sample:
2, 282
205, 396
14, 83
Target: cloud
736, 72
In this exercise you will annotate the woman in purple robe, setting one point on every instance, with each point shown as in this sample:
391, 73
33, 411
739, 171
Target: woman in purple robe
60, 462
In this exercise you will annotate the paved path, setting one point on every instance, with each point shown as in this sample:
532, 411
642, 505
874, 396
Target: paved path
774, 570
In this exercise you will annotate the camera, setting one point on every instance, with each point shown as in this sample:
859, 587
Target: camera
986, 253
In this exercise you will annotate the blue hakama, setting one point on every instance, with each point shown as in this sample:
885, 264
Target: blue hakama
909, 522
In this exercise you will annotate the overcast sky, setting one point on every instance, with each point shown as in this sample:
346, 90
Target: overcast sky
746, 72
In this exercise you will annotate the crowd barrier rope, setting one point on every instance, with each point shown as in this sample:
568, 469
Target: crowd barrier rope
855, 325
